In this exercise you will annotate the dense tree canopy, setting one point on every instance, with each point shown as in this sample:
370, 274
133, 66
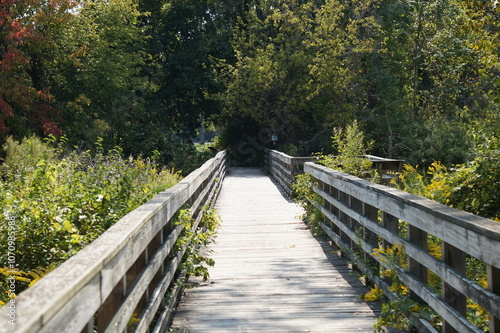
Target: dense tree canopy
420, 77
417, 75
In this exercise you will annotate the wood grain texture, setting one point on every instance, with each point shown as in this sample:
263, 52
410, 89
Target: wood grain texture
270, 273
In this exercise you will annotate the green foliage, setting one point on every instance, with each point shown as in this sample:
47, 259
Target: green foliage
393, 314
472, 187
195, 259
265, 86
306, 197
187, 36
478, 182
417, 73
351, 148
436, 185
60, 204
346, 37
25, 155
401, 312
98, 81
438, 139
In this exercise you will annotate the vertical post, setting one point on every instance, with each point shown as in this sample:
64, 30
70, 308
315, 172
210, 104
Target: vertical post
333, 193
370, 237
391, 223
108, 308
494, 286
419, 271
344, 198
455, 258
357, 206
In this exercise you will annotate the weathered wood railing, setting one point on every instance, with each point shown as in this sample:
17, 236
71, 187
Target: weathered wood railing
127, 275
285, 168
362, 217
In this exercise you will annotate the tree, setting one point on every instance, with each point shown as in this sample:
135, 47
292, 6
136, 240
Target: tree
345, 39
25, 34
266, 86
188, 35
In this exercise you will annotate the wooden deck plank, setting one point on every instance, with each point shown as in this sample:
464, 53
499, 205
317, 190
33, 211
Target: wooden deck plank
270, 273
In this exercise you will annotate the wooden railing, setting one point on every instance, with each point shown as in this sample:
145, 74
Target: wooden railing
125, 276
362, 217
285, 168
366, 220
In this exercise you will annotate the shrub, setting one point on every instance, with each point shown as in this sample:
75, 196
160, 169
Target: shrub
351, 147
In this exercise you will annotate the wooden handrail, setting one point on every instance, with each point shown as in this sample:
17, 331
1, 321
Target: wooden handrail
125, 273
285, 168
363, 216
367, 216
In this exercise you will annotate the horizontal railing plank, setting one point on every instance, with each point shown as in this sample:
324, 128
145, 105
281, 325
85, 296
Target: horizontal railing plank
463, 284
475, 235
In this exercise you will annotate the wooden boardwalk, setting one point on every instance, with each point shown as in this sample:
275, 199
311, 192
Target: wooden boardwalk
270, 273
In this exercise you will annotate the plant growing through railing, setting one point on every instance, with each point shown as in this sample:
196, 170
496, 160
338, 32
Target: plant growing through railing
401, 311
440, 184
306, 197
195, 258
351, 146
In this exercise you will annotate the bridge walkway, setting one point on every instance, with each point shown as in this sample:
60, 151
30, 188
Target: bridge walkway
270, 273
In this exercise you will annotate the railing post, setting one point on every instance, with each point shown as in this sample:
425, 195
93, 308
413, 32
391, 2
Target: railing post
391, 223
370, 213
454, 258
419, 238
108, 308
494, 286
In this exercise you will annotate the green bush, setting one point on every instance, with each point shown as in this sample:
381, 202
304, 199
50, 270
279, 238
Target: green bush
473, 186
351, 148
59, 204
478, 182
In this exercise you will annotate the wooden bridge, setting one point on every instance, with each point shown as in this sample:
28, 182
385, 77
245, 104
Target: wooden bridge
271, 274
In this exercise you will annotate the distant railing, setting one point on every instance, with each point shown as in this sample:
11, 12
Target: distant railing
123, 281
285, 168
362, 217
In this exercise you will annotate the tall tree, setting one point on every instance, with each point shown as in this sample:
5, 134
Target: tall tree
26, 36
344, 41
188, 36
266, 86
97, 79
